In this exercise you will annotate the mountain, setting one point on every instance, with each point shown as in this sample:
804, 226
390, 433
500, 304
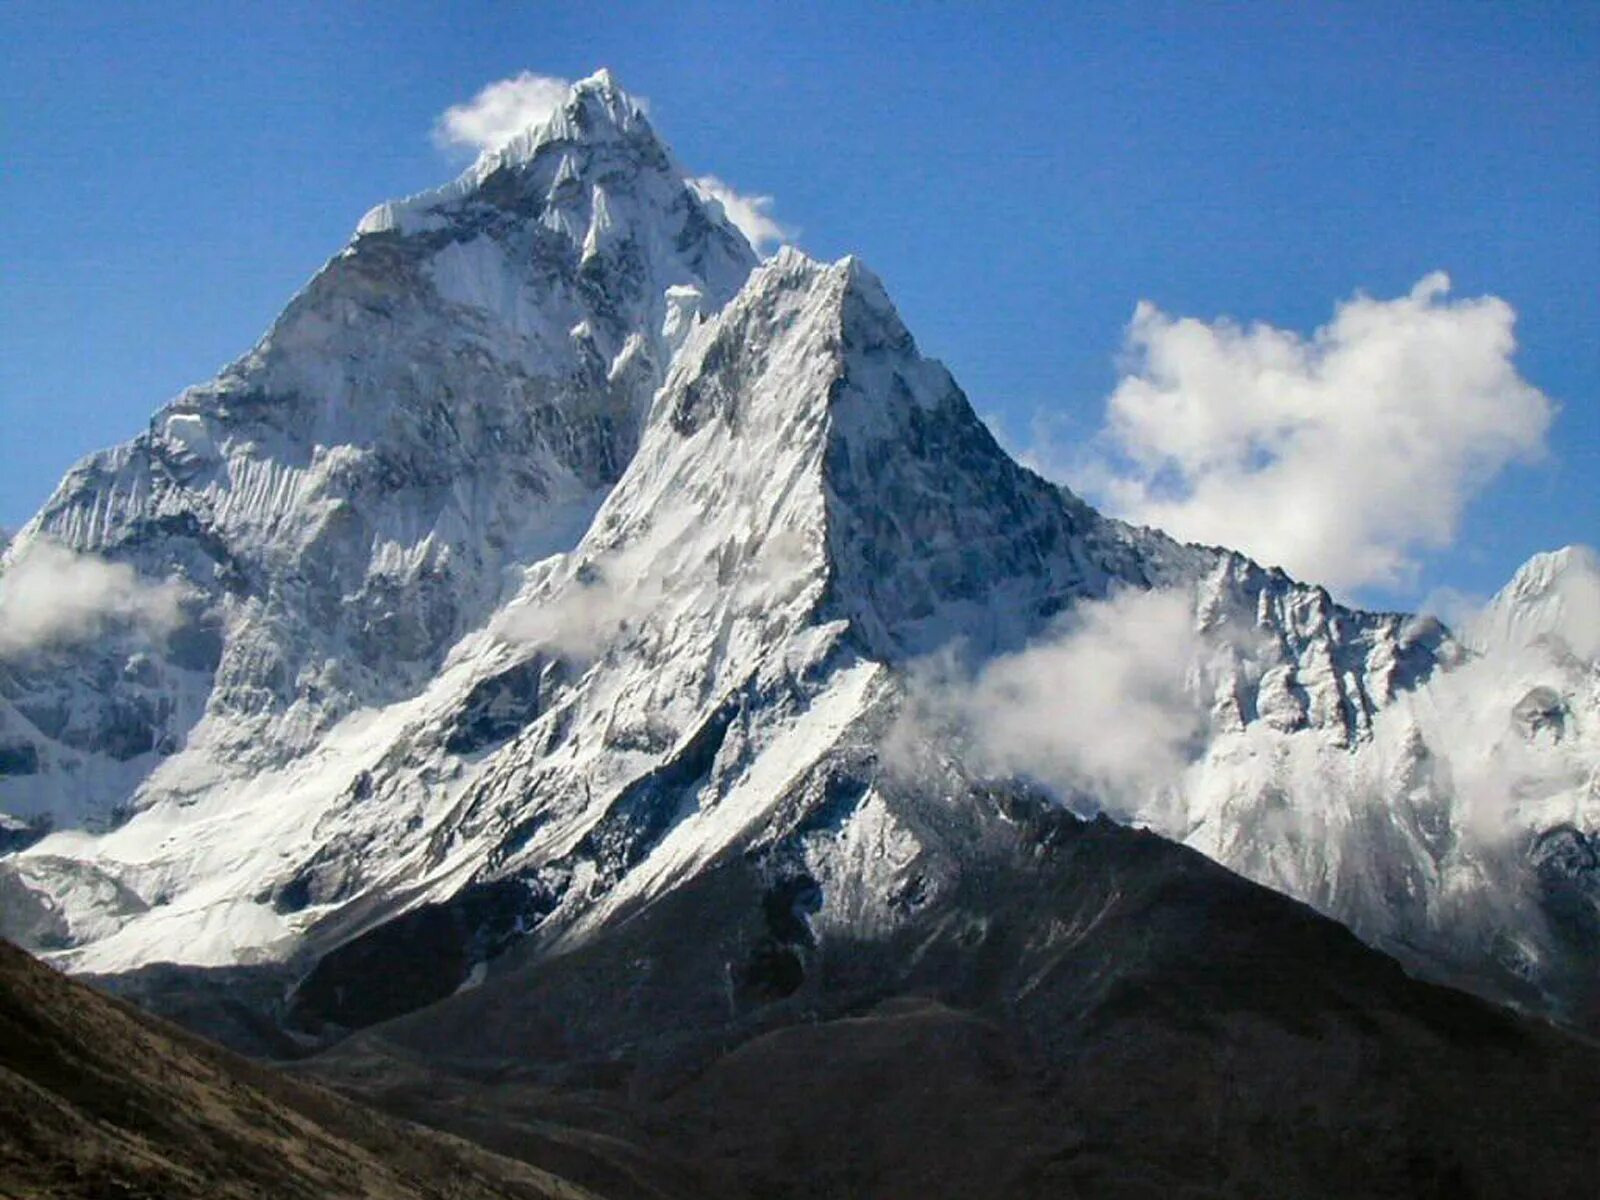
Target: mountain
550, 555
102, 1100
450, 397
1461, 830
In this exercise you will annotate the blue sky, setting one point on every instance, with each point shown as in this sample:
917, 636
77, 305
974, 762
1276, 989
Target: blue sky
173, 174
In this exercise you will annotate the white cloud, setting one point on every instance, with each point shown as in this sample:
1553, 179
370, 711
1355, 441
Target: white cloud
1337, 456
1109, 707
500, 111
582, 619
51, 596
1456, 609
750, 215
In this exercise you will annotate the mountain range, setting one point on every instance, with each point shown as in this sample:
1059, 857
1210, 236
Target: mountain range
574, 674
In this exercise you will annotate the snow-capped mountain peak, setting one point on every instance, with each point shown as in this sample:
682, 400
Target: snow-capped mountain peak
597, 109
447, 401
598, 124
1554, 596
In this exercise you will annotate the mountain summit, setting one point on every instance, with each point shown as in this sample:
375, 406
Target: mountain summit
596, 114
450, 397
1554, 598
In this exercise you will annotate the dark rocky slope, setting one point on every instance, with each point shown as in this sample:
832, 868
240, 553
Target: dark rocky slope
1093, 1012
103, 1102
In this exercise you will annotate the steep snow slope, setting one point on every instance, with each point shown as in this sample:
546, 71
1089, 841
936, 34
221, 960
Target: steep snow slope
449, 398
479, 745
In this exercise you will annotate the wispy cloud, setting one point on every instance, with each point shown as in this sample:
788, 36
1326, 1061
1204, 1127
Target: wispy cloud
51, 596
582, 618
750, 215
614, 593
1110, 705
500, 111
1339, 456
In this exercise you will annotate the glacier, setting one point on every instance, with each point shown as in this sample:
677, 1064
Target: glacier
552, 548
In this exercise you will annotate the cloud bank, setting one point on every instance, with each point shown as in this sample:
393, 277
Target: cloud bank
500, 111
51, 596
1337, 456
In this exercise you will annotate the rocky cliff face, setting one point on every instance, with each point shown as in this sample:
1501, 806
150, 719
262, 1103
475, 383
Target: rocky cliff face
538, 561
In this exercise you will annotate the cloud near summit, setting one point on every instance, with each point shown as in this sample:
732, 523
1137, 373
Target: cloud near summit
500, 111
1340, 455
750, 215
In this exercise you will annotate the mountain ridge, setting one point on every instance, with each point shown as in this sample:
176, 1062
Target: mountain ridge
103, 1100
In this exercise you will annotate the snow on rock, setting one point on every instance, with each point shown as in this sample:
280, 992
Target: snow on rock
1554, 597
1457, 823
